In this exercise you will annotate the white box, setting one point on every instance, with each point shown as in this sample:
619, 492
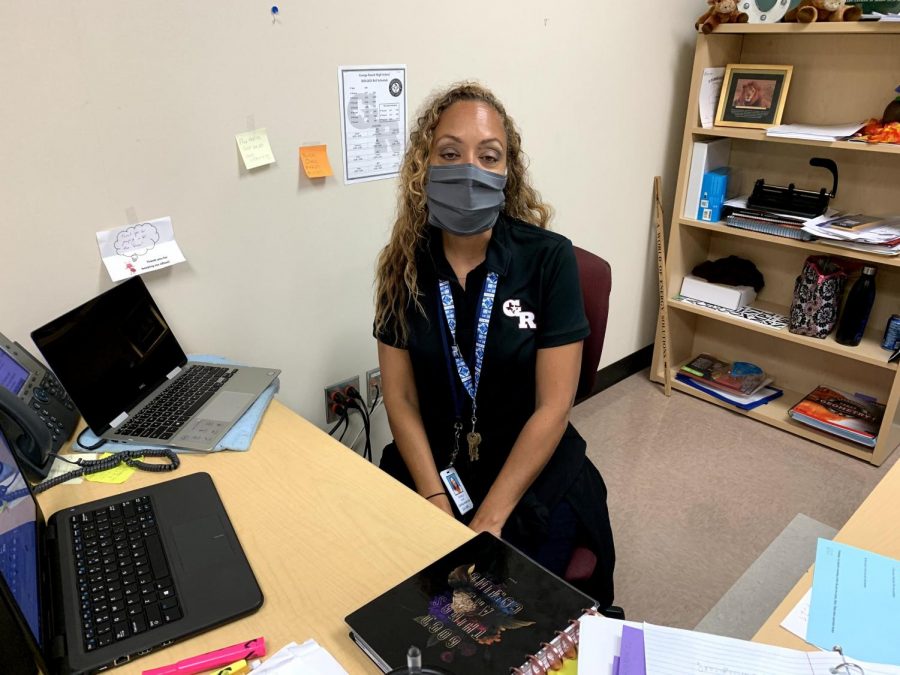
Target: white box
706, 156
730, 297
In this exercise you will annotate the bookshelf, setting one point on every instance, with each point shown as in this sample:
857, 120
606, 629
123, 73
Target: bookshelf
842, 72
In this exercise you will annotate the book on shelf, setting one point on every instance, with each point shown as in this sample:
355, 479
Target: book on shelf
739, 377
762, 395
706, 155
480, 609
712, 195
854, 417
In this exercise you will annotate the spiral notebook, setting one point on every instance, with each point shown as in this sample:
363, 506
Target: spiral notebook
483, 608
768, 225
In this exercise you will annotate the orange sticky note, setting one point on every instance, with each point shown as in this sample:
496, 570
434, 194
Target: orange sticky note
315, 161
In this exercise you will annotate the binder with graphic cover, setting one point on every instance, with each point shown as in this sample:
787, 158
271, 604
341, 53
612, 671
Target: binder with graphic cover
483, 608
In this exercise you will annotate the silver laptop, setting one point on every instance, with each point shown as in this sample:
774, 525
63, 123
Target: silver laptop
122, 366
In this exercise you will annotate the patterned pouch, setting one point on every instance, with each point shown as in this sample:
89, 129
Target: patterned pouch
817, 297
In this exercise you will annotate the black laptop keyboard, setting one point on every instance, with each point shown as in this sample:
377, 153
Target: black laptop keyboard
174, 406
124, 584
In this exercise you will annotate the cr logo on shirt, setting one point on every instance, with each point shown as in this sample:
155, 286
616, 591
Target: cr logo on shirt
514, 308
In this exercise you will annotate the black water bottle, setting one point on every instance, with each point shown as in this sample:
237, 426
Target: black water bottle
857, 308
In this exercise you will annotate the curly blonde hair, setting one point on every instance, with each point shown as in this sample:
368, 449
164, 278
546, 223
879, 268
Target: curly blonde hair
396, 280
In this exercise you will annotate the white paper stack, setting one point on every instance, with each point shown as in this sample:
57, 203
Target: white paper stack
882, 237
811, 132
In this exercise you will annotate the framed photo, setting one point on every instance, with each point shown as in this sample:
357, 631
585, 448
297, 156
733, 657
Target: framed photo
753, 95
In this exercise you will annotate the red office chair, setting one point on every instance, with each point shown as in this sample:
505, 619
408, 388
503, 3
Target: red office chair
595, 277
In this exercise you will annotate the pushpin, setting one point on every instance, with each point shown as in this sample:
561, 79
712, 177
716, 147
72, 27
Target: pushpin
274, 13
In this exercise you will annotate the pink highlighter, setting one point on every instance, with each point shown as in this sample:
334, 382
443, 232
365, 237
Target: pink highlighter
253, 649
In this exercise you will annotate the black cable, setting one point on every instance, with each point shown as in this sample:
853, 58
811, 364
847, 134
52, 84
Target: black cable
346, 419
62, 457
98, 444
355, 401
88, 466
375, 399
341, 421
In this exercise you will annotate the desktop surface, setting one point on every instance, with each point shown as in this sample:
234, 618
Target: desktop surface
874, 526
325, 532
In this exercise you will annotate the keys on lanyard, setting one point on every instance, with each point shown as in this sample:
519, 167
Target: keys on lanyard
467, 377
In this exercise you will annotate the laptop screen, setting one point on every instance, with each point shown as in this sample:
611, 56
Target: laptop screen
110, 352
18, 540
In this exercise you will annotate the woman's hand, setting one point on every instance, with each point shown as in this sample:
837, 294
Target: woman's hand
442, 501
484, 523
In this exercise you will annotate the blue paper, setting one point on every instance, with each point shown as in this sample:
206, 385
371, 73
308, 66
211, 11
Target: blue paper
855, 603
238, 437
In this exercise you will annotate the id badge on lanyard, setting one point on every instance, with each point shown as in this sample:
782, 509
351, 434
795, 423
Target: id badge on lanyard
469, 378
456, 490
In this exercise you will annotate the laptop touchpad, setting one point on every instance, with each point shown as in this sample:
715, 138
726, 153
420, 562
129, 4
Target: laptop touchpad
202, 542
226, 406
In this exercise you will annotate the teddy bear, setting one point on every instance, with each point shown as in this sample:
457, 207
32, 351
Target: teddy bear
823, 10
720, 11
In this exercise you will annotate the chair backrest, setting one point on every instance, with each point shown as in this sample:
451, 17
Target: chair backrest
595, 276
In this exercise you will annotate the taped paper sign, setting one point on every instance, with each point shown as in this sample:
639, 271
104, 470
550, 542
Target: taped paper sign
138, 248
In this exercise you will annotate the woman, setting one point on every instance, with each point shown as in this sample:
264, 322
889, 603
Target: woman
480, 322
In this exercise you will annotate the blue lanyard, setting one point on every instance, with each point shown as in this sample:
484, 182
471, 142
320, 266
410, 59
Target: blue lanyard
467, 377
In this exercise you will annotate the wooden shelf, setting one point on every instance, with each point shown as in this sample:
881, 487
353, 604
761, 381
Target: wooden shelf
760, 135
775, 413
842, 71
868, 351
815, 246
844, 27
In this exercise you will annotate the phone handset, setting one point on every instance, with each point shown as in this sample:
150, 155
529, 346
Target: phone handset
28, 438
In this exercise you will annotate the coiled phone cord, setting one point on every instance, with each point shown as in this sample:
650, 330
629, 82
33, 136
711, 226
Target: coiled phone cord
88, 466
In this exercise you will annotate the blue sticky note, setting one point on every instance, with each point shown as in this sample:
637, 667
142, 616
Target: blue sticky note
855, 603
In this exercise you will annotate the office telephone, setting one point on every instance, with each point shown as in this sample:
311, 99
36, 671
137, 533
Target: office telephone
36, 414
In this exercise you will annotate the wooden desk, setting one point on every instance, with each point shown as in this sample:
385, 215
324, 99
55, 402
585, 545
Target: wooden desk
875, 526
325, 532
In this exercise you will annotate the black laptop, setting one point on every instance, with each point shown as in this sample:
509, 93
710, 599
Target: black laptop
130, 379
105, 582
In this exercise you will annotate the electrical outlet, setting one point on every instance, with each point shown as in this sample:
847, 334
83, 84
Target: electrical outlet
373, 386
330, 416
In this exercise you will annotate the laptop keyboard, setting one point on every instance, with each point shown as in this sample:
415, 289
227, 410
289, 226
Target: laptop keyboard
124, 584
168, 412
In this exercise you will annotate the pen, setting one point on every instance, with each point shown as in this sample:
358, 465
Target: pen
221, 657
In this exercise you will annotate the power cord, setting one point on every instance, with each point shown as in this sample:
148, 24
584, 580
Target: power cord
375, 406
356, 401
98, 444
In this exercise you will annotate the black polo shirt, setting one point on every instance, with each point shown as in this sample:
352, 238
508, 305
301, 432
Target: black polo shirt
538, 305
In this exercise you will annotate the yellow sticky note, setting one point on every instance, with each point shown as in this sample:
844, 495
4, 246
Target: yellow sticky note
117, 474
255, 148
315, 161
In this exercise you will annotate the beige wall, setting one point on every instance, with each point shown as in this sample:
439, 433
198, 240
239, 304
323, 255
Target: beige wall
110, 107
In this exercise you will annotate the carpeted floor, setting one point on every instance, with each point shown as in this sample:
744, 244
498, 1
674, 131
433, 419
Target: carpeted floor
697, 493
759, 590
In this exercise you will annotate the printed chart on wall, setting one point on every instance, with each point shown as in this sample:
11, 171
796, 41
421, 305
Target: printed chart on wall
373, 121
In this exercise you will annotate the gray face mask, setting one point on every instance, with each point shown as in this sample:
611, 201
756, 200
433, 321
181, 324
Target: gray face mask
463, 199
